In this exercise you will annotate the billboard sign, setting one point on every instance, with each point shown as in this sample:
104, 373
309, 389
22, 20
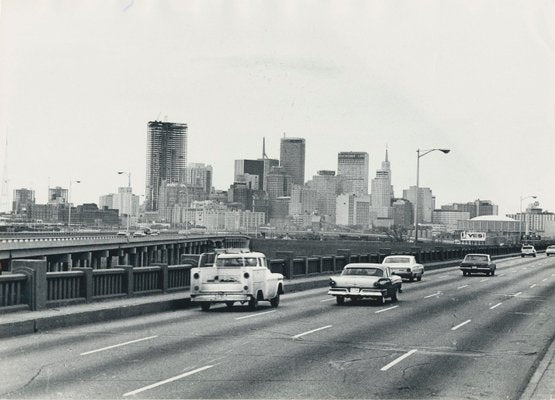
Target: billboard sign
473, 236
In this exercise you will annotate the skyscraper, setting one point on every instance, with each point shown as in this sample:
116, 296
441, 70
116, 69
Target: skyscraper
327, 186
22, 200
199, 175
382, 195
426, 202
166, 158
353, 167
291, 156
250, 167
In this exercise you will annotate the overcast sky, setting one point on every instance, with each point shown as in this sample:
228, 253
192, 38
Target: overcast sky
79, 80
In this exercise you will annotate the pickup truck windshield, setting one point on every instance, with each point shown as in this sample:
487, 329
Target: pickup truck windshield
236, 262
476, 258
397, 260
363, 271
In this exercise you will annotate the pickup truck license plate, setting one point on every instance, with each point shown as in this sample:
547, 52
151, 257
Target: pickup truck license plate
354, 290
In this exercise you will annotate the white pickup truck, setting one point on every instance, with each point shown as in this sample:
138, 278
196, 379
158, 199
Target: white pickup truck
235, 276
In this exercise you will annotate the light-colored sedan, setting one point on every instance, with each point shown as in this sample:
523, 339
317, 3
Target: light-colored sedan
365, 280
405, 266
550, 251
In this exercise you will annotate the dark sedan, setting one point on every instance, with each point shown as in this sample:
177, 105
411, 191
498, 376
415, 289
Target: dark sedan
477, 263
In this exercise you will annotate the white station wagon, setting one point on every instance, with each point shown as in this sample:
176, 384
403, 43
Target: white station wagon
235, 276
405, 267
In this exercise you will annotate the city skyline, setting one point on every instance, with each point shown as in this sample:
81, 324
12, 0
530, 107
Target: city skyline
352, 86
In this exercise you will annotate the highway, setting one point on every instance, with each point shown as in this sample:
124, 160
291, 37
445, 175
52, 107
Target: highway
449, 336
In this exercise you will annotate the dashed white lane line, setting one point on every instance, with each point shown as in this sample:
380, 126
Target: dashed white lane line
544, 279
483, 280
311, 331
533, 286
432, 295
517, 294
461, 324
398, 360
168, 380
495, 306
385, 309
332, 299
463, 286
500, 274
118, 345
443, 276
256, 315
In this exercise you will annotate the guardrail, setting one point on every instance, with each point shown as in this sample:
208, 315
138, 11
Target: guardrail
32, 287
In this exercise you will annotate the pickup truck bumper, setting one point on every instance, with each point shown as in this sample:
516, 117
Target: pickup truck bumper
362, 293
219, 297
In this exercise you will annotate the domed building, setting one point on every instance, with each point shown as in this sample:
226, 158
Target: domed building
497, 229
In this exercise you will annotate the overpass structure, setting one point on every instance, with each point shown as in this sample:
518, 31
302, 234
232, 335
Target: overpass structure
100, 251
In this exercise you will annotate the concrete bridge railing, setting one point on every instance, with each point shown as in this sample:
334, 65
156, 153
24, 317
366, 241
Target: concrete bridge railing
32, 287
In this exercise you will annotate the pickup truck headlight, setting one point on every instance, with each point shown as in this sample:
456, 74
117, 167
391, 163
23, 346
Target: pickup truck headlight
196, 275
246, 275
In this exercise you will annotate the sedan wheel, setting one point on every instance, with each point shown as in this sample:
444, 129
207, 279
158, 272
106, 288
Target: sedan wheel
419, 278
340, 300
411, 279
229, 304
394, 298
380, 300
492, 272
205, 305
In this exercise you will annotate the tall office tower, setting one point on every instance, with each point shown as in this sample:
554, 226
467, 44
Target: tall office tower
353, 167
22, 200
291, 156
57, 195
382, 190
166, 158
278, 183
304, 200
353, 209
327, 186
250, 167
199, 175
426, 202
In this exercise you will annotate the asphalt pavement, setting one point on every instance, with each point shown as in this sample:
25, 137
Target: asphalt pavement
449, 337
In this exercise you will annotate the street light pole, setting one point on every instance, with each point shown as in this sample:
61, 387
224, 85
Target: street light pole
69, 204
418, 156
522, 198
129, 195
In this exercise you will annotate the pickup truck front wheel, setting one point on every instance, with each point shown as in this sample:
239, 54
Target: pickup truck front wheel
275, 301
205, 305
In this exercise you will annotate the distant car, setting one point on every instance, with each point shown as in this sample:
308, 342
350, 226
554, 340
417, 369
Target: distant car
123, 233
527, 250
365, 281
404, 266
139, 234
477, 263
550, 251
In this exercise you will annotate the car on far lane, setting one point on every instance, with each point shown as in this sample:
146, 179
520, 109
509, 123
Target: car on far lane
365, 281
123, 234
139, 234
527, 250
550, 251
477, 263
404, 266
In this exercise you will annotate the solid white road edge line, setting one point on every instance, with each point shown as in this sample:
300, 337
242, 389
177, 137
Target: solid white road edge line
255, 315
495, 306
168, 380
461, 324
432, 295
312, 331
398, 360
385, 309
117, 345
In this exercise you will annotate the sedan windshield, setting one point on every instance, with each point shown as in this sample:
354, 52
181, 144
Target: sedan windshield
397, 260
476, 258
363, 271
